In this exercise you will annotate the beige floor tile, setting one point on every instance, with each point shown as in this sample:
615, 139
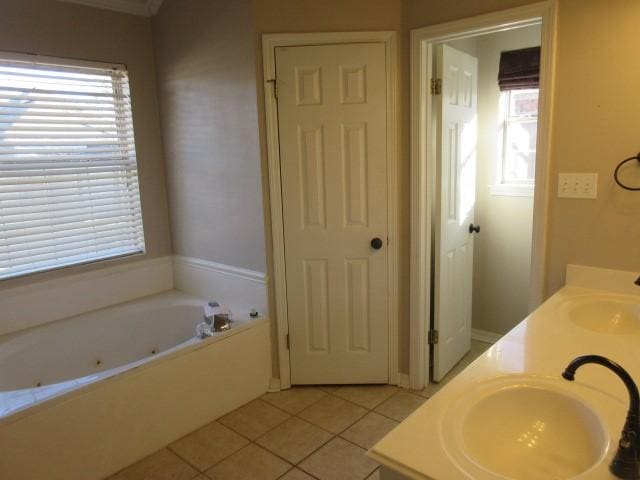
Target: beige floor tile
367, 396
400, 406
426, 392
250, 463
477, 349
339, 460
375, 475
294, 439
367, 431
296, 474
294, 399
162, 465
333, 414
207, 446
254, 419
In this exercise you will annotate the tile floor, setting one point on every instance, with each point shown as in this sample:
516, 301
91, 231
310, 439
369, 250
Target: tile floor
304, 433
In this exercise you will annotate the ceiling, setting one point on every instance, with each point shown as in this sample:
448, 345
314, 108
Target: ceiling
145, 8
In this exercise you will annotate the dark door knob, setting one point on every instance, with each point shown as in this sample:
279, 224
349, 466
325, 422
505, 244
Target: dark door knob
474, 228
376, 243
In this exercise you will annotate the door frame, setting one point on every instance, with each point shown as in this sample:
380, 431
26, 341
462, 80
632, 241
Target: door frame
269, 44
423, 161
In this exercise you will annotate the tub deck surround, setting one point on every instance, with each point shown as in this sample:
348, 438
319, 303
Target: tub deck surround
38, 303
47, 301
45, 362
239, 288
540, 346
88, 424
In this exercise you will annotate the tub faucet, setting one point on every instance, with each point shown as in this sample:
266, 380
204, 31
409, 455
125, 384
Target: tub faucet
218, 322
626, 463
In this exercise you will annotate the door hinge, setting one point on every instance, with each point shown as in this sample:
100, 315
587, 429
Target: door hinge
436, 86
434, 337
274, 82
288, 346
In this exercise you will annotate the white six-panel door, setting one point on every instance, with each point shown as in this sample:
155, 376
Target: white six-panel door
457, 132
332, 131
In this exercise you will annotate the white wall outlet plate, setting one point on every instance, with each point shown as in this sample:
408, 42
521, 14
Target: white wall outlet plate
577, 185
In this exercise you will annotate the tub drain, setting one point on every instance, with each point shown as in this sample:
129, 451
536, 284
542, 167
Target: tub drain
98, 362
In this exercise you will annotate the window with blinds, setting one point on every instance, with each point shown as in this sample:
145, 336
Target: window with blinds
68, 174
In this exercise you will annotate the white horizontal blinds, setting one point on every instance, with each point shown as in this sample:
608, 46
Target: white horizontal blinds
68, 175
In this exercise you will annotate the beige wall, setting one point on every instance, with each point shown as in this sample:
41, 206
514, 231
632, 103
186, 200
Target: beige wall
65, 30
467, 45
595, 114
502, 251
596, 117
422, 13
207, 85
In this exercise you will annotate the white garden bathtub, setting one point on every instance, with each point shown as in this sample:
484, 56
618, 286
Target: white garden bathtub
43, 362
83, 397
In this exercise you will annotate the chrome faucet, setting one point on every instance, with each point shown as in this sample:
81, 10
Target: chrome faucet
626, 463
218, 322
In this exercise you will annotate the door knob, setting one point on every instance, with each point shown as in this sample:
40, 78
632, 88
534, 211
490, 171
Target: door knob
376, 243
474, 228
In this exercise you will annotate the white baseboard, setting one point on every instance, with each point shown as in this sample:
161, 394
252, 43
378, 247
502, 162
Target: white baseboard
274, 385
46, 301
403, 380
484, 336
238, 288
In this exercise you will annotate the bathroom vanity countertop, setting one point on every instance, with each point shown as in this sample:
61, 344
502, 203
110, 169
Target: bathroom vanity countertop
541, 345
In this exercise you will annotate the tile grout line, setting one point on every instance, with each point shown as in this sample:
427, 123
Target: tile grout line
327, 393
283, 410
168, 447
333, 435
253, 440
362, 406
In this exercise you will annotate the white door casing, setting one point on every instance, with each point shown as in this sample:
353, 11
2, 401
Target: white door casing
333, 160
456, 152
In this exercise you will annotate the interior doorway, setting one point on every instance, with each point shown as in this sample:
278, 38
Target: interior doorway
326, 174
332, 129
479, 154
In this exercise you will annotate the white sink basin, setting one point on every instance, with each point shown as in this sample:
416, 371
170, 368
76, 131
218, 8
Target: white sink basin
524, 430
618, 315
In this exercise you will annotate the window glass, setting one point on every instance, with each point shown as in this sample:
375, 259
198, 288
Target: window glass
68, 173
519, 120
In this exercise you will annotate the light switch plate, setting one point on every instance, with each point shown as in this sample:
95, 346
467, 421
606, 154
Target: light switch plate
577, 185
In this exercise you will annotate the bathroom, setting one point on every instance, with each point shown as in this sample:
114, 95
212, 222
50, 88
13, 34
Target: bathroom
103, 374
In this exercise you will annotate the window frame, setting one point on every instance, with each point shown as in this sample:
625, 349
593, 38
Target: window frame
36, 60
500, 186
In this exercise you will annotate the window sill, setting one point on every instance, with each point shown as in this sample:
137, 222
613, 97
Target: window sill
506, 190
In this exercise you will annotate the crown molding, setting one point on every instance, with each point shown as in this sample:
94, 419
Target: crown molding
147, 9
153, 6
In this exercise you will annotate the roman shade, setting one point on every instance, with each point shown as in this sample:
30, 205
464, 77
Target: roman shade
519, 69
68, 174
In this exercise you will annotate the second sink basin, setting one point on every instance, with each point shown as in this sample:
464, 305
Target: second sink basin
613, 314
528, 430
